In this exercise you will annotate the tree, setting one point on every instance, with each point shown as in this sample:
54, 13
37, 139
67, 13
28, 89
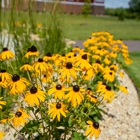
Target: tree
87, 8
134, 6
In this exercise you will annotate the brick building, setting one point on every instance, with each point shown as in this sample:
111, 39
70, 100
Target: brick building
66, 6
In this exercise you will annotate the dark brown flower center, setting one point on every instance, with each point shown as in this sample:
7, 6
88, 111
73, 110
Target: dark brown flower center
112, 68
49, 54
98, 62
15, 78
58, 87
104, 83
29, 49
96, 125
2, 71
93, 96
58, 105
108, 87
18, 114
69, 65
110, 73
33, 49
84, 56
40, 60
76, 88
26, 63
0, 79
89, 89
5, 49
33, 90
63, 55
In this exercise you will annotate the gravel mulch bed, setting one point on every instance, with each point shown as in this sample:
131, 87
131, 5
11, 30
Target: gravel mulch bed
124, 120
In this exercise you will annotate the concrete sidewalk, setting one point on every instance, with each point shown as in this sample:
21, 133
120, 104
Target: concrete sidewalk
133, 45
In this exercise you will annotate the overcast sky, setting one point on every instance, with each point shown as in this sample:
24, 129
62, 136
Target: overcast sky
116, 3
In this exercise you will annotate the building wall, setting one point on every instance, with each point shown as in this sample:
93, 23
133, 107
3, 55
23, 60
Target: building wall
66, 6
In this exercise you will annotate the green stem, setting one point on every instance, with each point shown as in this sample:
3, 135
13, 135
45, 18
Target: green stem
12, 67
65, 133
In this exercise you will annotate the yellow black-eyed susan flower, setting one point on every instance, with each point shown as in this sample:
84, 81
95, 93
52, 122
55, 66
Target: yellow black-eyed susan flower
75, 95
26, 67
123, 89
56, 110
90, 95
46, 78
108, 74
89, 74
121, 74
113, 54
114, 67
58, 91
107, 60
83, 62
92, 129
68, 71
5, 120
17, 84
6, 54
20, 118
101, 85
128, 61
3, 83
70, 54
101, 52
40, 66
97, 66
97, 57
106, 92
2, 102
32, 51
5, 75
76, 50
47, 57
34, 96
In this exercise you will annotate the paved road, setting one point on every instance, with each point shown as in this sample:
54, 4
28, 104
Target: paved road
132, 45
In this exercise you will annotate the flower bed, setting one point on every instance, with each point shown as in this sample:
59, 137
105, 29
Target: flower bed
62, 96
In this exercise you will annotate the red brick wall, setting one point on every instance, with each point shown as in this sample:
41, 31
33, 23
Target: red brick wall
66, 8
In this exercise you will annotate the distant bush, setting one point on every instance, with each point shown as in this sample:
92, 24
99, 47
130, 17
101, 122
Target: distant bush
122, 13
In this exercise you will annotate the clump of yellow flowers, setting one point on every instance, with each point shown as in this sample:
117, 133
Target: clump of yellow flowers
62, 96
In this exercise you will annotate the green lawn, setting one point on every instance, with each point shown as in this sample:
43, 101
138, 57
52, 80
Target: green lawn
79, 28
76, 27
133, 70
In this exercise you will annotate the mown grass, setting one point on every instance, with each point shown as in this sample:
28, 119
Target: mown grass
76, 27
133, 70
79, 28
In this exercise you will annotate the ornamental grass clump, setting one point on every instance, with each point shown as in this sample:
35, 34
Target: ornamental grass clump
62, 96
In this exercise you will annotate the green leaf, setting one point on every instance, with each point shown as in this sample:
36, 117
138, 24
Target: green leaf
78, 136
31, 126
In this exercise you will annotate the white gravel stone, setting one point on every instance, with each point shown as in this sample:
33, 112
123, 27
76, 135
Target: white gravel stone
126, 109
